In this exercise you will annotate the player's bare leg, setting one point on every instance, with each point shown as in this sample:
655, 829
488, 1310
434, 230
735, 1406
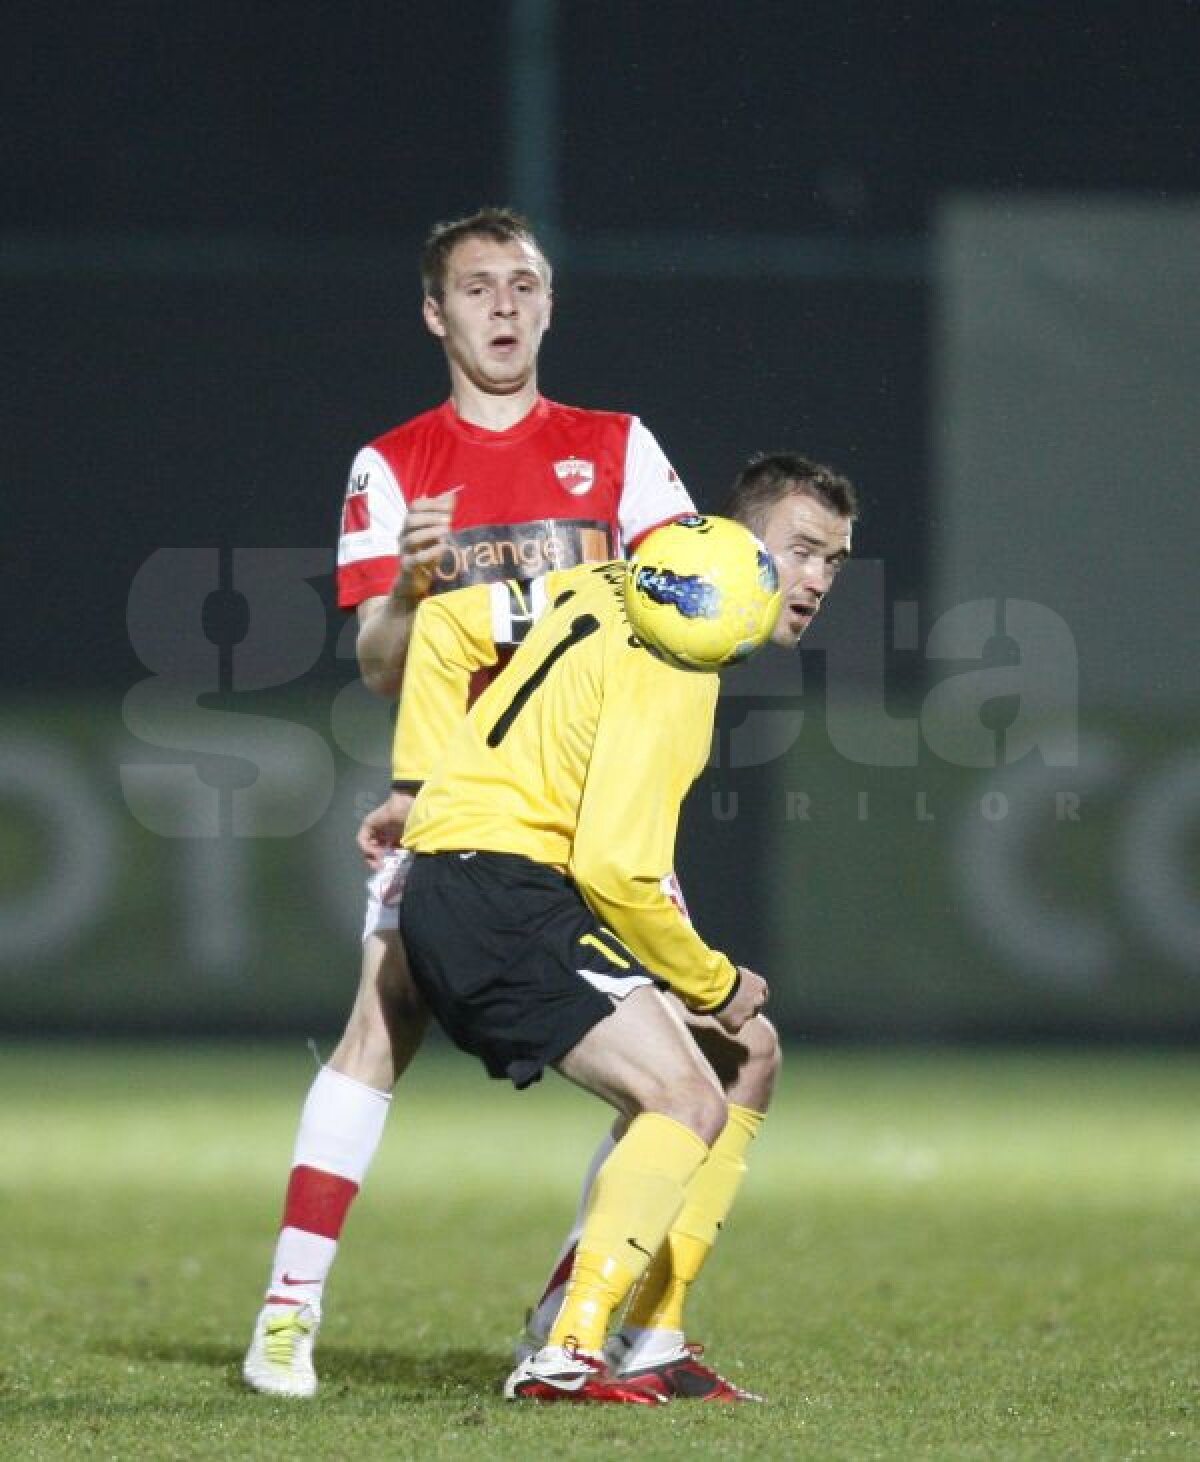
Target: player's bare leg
652, 1344
388, 1020
746, 1065
642, 1061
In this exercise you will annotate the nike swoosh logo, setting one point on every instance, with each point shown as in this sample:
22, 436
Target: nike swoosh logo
291, 1279
633, 1244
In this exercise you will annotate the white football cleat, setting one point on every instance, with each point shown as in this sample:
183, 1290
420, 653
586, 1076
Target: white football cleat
279, 1361
565, 1373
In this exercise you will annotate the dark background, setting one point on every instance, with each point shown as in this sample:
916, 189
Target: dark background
211, 215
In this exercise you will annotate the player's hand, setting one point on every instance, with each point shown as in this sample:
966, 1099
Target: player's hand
381, 830
425, 538
750, 998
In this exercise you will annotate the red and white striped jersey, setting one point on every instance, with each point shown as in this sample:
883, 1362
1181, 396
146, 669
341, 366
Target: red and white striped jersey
563, 486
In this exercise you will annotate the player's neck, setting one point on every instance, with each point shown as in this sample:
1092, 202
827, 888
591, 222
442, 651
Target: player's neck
493, 411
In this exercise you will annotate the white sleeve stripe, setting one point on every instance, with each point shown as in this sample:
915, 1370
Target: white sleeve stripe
377, 470
652, 491
386, 510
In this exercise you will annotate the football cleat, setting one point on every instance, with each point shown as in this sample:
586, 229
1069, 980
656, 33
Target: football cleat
565, 1373
279, 1361
684, 1377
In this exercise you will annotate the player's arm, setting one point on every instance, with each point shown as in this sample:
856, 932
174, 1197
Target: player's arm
384, 630
646, 755
385, 622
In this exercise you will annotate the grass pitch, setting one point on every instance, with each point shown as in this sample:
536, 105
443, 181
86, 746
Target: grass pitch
937, 1256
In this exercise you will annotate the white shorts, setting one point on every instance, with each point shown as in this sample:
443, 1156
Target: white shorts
385, 887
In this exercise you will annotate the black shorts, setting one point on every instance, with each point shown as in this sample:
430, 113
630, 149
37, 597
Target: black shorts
511, 960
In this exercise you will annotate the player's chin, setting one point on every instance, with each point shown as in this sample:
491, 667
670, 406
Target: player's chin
788, 628
501, 379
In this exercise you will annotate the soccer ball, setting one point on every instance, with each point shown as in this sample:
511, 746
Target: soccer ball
702, 593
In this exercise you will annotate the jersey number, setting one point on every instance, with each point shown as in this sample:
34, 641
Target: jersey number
586, 624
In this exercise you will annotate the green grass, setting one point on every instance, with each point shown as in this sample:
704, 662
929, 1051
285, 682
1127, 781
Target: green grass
936, 1256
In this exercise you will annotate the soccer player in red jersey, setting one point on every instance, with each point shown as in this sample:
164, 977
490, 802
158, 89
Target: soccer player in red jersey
496, 482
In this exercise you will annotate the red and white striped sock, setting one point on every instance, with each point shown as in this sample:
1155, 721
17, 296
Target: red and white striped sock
340, 1130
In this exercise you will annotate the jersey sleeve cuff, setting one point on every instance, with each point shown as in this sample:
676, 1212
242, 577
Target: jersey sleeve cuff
653, 527
728, 998
365, 579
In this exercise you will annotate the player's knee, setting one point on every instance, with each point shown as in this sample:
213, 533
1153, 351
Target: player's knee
764, 1057
693, 1100
711, 1113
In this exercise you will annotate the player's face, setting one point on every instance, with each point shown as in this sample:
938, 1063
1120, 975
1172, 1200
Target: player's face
810, 542
495, 311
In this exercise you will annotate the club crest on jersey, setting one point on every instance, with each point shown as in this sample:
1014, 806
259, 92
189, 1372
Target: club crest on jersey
576, 474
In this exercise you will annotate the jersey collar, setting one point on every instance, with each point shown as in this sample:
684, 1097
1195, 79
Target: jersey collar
528, 424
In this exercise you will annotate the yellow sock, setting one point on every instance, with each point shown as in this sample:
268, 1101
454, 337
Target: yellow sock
658, 1301
635, 1197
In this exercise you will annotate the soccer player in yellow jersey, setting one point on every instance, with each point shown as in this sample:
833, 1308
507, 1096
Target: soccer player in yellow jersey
535, 913
453, 647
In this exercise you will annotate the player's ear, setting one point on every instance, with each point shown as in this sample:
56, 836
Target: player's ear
432, 312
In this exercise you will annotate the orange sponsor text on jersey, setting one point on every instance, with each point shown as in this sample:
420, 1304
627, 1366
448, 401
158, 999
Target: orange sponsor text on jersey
520, 550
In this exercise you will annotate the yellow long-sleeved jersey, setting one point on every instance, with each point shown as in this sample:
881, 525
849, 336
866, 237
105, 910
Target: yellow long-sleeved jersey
579, 756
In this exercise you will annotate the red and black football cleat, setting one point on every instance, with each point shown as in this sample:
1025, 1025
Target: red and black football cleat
684, 1377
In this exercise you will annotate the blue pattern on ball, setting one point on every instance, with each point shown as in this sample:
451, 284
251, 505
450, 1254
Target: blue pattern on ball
768, 574
693, 596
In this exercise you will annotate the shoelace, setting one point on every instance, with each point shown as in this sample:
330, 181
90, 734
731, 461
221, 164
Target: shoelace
280, 1337
582, 1357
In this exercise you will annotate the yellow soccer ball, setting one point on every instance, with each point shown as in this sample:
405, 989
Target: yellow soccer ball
702, 593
